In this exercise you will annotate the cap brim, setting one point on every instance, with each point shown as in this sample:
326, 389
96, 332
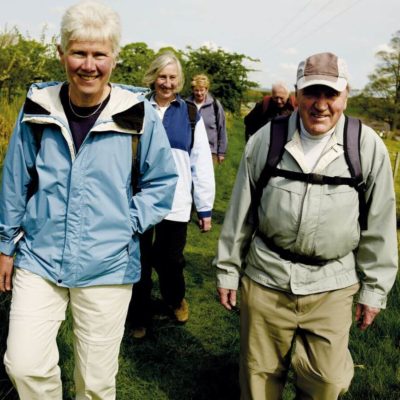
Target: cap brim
338, 84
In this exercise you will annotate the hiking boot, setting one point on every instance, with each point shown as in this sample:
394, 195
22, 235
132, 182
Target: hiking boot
139, 333
182, 312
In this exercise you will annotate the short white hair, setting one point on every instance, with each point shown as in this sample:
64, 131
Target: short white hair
280, 84
92, 21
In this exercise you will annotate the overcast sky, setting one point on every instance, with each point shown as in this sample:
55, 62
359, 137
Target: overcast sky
279, 33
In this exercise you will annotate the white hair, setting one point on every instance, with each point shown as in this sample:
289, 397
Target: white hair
92, 21
282, 85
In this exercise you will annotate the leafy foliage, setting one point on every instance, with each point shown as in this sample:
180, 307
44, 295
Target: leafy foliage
24, 60
381, 97
134, 58
227, 73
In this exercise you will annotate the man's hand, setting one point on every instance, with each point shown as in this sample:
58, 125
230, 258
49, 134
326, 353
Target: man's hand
6, 270
205, 224
227, 297
365, 315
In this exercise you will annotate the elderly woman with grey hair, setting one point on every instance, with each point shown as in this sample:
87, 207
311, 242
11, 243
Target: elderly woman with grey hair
73, 220
163, 246
213, 115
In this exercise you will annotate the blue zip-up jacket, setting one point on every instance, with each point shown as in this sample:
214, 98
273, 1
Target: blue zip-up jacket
79, 227
193, 161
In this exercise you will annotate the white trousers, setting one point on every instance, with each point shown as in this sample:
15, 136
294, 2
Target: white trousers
37, 310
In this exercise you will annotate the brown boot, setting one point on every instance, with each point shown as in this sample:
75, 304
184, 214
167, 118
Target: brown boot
139, 333
182, 312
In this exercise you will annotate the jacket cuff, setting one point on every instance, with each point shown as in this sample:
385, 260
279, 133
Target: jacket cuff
372, 299
7, 248
227, 281
204, 214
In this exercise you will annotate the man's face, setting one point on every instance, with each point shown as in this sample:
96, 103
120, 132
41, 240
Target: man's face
320, 107
280, 96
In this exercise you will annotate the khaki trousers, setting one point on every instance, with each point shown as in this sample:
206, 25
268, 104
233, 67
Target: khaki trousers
37, 310
310, 332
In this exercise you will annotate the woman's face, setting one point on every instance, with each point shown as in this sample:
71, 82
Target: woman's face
200, 93
166, 84
88, 65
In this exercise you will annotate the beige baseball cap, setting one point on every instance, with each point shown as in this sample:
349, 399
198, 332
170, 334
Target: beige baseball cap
323, 69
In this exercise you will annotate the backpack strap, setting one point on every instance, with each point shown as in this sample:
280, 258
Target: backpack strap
265, 103
133, 119
216, 110
37, 132
352, 139
135, 165
192, 114
278, 139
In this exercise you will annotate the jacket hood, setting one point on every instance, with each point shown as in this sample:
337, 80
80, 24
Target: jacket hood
124, 112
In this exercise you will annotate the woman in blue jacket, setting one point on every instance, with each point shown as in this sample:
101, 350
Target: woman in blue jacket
194, 164
68, 213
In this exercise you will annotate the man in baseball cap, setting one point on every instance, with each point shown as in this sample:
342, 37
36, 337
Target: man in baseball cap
308, 254
323, 69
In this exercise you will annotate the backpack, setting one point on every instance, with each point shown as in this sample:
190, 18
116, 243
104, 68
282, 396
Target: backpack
258, 116
278, 139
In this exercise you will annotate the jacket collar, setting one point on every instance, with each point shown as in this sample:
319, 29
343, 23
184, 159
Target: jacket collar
125, 108
294, 127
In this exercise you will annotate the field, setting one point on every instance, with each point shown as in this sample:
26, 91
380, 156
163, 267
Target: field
199, 361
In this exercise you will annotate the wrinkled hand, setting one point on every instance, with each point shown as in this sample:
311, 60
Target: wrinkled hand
227, 297
205, 224
6, 270
365, 315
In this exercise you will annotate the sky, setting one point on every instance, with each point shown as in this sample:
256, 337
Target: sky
277, 33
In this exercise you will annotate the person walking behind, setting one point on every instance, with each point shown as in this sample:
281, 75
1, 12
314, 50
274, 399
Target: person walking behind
213, 116
68, 214
309, 238
279, 103
163, 246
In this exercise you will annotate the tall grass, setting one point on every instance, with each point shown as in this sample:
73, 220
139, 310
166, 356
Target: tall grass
199, 361
8, 116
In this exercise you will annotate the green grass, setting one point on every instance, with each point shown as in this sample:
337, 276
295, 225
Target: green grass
199, 361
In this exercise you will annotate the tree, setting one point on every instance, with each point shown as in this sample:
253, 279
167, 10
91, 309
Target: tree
134, 59
24, 60
381, 96
226, 71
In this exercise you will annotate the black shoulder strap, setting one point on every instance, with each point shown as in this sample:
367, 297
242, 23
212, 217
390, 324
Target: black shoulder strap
278, 139
37, 132
216, 110
192, 114
352, 139
135, 164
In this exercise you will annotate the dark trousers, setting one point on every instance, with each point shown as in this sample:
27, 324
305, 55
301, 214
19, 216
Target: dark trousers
162, 248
